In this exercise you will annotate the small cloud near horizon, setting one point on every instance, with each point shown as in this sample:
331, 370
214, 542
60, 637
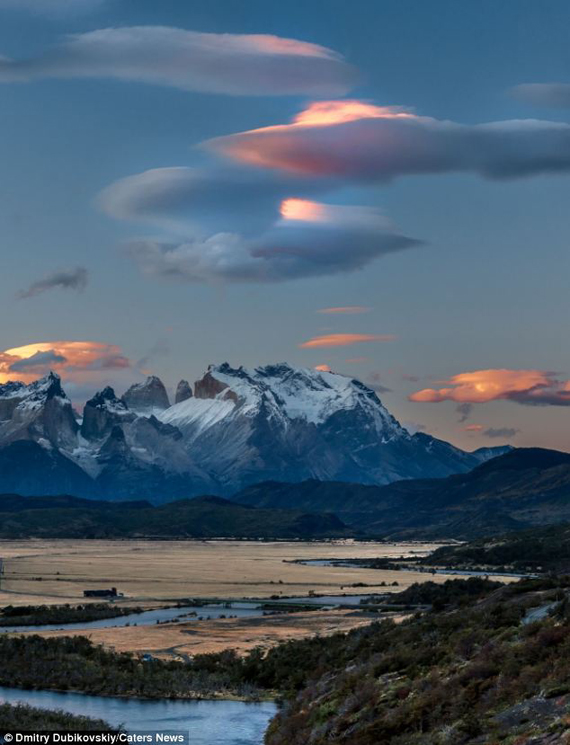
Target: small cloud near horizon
527, 387
344, 340
345, 310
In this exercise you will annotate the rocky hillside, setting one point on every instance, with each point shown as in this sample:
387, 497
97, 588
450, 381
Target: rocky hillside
474, 671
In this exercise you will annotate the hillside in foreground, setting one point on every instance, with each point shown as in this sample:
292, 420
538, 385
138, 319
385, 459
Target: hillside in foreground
483, 664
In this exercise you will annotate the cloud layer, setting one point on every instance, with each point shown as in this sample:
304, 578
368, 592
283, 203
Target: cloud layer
67, 279
313, 239
235, 64
361, 142
530, 387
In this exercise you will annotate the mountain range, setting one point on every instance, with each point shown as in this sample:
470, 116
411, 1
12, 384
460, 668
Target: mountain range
235, 428
202, 517
520, 489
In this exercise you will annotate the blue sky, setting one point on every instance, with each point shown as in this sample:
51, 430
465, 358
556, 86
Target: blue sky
484, 287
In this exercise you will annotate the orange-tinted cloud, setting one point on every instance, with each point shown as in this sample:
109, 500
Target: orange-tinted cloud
322, 113
479, 386
304, 210
70, 359
322, 368
472, 428
361, 142
343, 340
346, 309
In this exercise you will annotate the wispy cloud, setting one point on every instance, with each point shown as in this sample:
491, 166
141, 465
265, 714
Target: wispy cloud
67, 279
464, 410
345, 310
374, 382
530, 387
360, 142
236, 64
501, 432
554, 95
343, 340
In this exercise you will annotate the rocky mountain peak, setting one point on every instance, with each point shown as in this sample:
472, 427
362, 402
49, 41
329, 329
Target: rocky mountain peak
102, 413
147, 396
183, 392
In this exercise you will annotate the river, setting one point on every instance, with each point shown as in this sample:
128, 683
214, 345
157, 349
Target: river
159, 615
205, 722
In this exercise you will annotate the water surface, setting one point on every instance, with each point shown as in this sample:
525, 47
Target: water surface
206, 722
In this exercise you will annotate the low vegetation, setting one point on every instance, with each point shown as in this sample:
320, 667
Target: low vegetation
473, 668
21, 717
40, 615
540, 550
202, 517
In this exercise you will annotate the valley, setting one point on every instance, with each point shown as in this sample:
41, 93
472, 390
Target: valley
155, 574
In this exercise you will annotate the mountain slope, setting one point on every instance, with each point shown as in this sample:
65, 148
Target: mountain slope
522, 488
203, 517
237, 427
282, 423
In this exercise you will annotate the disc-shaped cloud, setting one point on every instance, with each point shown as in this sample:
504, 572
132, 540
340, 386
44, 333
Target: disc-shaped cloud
532, 387
361, 142
312, 239
238, 64
73, 360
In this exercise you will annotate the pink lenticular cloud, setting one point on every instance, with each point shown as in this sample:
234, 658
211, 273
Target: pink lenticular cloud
345, 310
344, 340
530, 387
234, 64
360, 142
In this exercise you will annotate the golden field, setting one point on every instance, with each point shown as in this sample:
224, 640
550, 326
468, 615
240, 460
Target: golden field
59, 570
184, 640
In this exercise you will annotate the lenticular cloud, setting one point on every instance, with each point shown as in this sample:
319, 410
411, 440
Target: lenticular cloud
314, 240
361, 142
234, 64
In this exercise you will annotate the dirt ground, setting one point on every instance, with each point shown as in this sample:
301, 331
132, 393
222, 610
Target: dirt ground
184, 640
59, 571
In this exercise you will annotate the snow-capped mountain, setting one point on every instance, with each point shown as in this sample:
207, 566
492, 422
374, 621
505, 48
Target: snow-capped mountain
237, 427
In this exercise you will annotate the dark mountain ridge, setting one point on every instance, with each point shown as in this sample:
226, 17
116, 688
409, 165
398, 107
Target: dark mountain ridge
520, 489
66, 516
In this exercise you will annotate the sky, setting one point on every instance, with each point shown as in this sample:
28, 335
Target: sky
376, 187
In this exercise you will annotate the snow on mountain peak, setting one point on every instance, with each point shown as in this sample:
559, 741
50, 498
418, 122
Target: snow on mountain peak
285, 392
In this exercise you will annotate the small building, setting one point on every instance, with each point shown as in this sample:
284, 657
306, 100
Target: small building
112, 593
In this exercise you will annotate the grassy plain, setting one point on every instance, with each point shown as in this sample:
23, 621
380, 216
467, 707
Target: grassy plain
154, 573
59, 570
183, 640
